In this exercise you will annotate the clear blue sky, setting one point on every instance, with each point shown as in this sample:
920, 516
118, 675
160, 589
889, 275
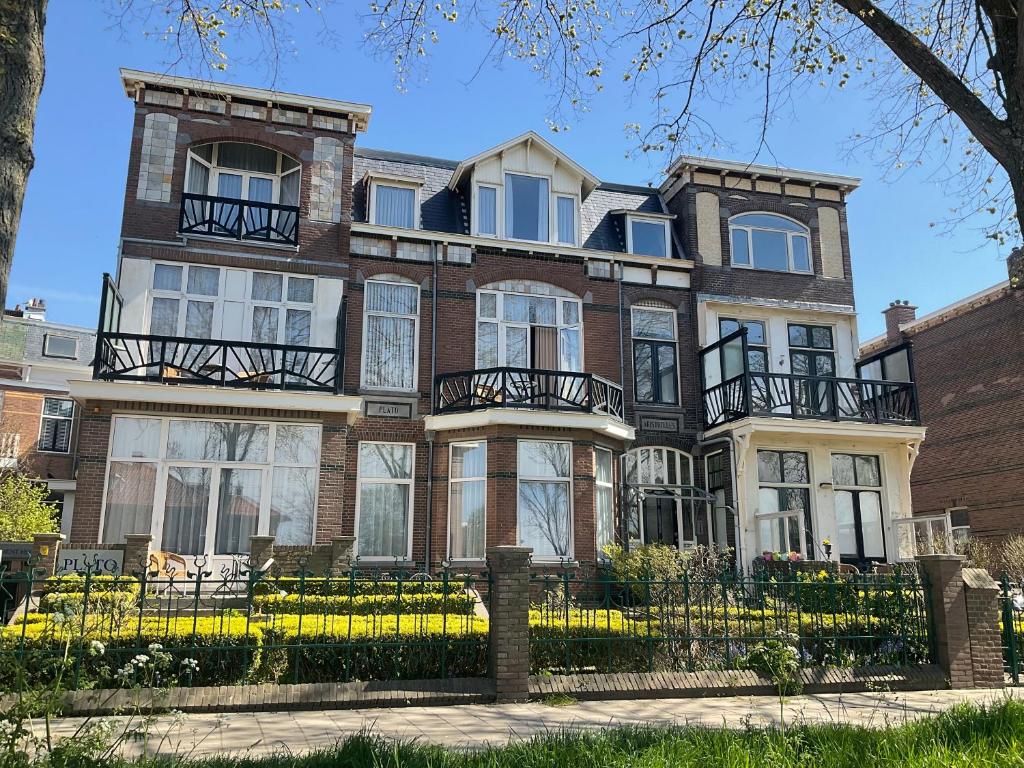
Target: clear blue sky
72, 212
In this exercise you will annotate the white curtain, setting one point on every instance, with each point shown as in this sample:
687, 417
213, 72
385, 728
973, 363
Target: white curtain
130, 488
164, 321
383, 520
292, 505
246, 157
567, 220
486, 215
390, 340
394, 206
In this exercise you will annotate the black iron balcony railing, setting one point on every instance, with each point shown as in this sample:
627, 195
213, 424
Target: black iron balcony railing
239, 219
241, 364
786, 395
527, 388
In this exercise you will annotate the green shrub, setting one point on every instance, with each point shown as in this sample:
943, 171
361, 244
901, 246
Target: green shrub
361, 605
76, 583
346, 586
98, 602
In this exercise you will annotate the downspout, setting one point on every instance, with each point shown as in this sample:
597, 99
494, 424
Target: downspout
623, 501
736, 496
433, 394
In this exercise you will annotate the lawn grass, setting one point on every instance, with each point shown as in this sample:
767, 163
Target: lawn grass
962, 737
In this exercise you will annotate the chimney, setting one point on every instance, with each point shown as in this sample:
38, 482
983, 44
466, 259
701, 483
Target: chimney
1015, 268
898, 313
35, 309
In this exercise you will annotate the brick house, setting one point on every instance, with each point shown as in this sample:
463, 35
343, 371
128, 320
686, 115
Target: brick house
38, 418
969, 367
312, 340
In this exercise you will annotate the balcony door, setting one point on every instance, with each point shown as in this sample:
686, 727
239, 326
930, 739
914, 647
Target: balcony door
812, 358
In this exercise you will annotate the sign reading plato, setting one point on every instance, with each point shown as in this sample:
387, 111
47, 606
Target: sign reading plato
107, 562
389, 410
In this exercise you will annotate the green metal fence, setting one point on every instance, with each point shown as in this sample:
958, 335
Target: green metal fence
241, 627
593, 623
1012, 625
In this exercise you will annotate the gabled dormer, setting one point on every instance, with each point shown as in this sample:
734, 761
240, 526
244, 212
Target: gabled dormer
524, 189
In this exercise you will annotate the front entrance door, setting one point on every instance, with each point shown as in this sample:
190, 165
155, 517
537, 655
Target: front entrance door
661, 522
859, 519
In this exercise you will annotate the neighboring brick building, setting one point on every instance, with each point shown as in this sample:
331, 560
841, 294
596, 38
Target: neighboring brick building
312, 340
38, 419
968, 361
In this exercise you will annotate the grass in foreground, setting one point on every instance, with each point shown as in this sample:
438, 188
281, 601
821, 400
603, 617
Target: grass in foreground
965, 736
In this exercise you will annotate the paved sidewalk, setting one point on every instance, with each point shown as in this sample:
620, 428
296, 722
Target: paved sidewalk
480, 725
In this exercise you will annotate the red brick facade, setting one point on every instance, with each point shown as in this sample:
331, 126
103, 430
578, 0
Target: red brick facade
21, 416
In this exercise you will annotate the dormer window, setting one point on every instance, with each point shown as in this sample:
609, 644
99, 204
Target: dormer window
243, 172
394, 203
769, 241
526, 207
647, 235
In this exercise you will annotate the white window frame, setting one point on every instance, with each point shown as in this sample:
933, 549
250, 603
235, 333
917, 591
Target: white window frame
219, 301
607, 487
809, 486
163, 463
806, 234
499, 210
411, 482
552, 215
214, 170
883, 505
576, 227
570, 556
46, 346
71, 427
416, 335
649, 339
914, 520
398, 184
664, 222
498, 320
452, 480
648, 482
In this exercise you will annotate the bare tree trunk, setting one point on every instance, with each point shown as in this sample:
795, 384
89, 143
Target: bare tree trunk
21, 81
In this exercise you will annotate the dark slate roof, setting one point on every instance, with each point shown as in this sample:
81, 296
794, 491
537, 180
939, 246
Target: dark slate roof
445, 211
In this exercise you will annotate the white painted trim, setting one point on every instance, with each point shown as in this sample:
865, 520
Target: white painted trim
229, 397
411, 482
43, 417
790, 234
63, 486
448, 510
691, 162
898, 433
416, 337
415, 186
530, 246
130, 78
515, 417
640, 217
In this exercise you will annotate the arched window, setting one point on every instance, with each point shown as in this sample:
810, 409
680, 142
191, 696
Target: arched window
660, 480
243, 172
769, 241
528, 324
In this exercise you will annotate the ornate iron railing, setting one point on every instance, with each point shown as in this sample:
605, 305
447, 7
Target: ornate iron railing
244, 364
787, 395
238, 219
527, 388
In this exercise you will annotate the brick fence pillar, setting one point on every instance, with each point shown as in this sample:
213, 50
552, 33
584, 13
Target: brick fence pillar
136, 553
947, 611
509, 642
45, 546
983, 627
261, 549
342, 554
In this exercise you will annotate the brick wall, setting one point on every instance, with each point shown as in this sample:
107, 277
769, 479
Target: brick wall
21, 415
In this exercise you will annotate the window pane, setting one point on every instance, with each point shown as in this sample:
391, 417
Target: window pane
392, 298
542, 311
648, 238
390, 352
229, 185
466, 519
266, 286
801, 258
185, 509
526, 207
60, 346
603, 466
385, 460
289, 193
469, 460
847, 540
199, 320
297, 326
867, 470
605, 512
516, 308
198, 177
198, 440
770, 250
292, 504
871, 524
824, 365
821, 337
798, 336
54, 406
727, 327
383, 520
643, 360
544, 517
488, 305
567, 220
740, 247
517, 350
769, 467
667, 372
395, 206
261, 191
540, 459
166, 277
135, 439
204, 281
246, 157
654, 324
757, 360
487, 210
800, 362
297, 444
794, 467
54, 435
264, 324
570, 313
164, 321
768, 221
569, 356
300, 289
842, 469
129, 509
238, 509
487, 345
755, 332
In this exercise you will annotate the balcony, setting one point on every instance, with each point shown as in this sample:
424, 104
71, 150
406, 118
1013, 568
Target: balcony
740, 393
246, 220
136, 357
527, 388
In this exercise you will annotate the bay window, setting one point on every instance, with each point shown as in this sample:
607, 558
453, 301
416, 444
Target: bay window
467, 500
604, 500
243, 172
769, 241
544, 493
526, 207
529, 325
203, 487
654, 355
390, 335
384, 501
